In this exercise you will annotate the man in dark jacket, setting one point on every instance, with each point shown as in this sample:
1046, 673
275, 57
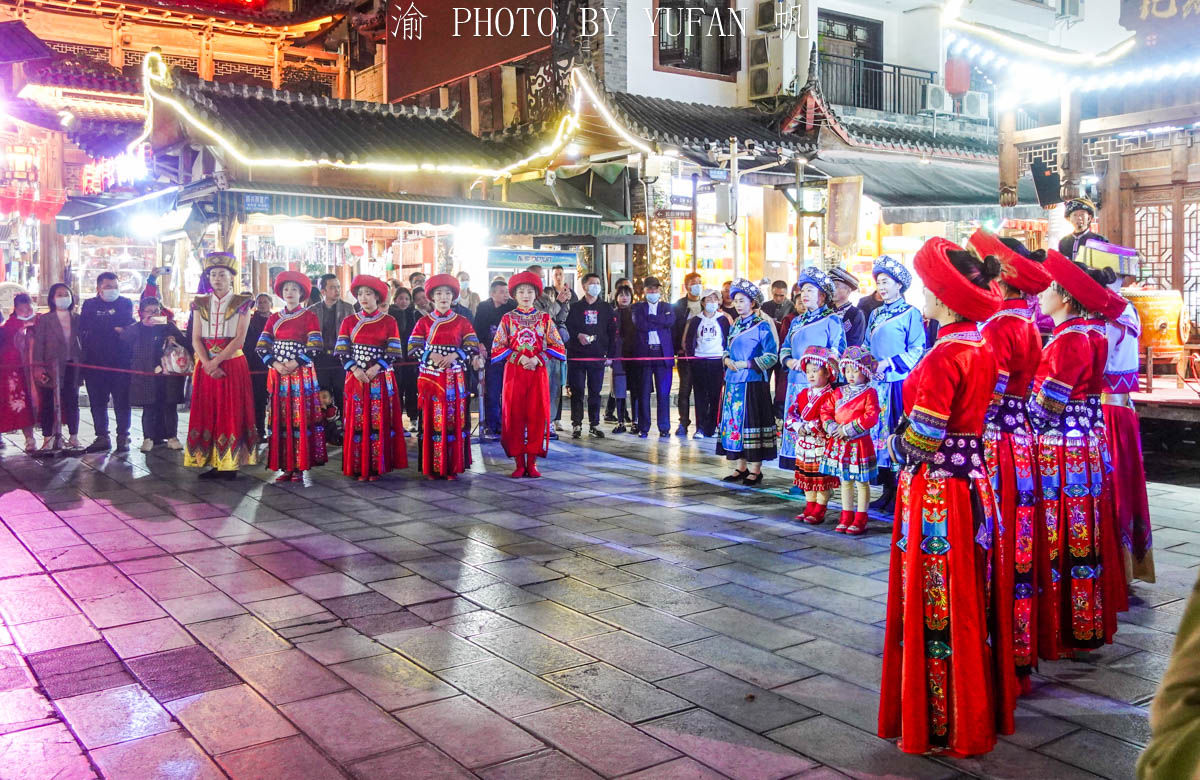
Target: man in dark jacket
258, 370
487, 320
330, 311
101, 322
854, 322
685, 308
1079, 212
654, 321
592, 333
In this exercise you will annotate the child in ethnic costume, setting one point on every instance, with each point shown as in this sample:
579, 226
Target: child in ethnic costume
524, 340
805, 420
939, 680
444, 341
368, 344
849, 450
290, 341
222, 433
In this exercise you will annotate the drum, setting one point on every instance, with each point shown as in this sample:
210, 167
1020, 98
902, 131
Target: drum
1164, 324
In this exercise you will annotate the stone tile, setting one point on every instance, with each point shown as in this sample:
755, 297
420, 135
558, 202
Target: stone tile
589, 735
1103, 681
546, 764
637, 656
419, 762
339, 645
555, 620
736, 700
502, 595
411, 590
53, 633
855, 752
746, 662
750, 628
530, 650
1107, 716
59, 558
1096, 753
434, 611
360, 604
593, 572
433, 648
1034, 728
276, 611
326, 720
48, 751
726, 747
14, 674
520, 572
151, 636
471, 734
107, 597
170, 754
840, 629
115, 715
230, 718
293, 757
862, 610
614, 554
578, 595
665, 598
393, 682
509, 690
682, 769
78, 669
240, 636
32, 599
374, 625
210, 563
24, 708
479, 622
617, 692
674, 575
252, 585
287, 676
651, 624
206, 606
752, 601
291, 565
368, 567
183, 672
836, 698
324, 546
328, 586
184, 541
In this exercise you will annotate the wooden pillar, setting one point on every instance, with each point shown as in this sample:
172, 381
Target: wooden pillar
343, 73
50, 244
473, 91
277, 63
116, 53
1110, 221
1179, 177
1010, 166
1070, 146
205, 68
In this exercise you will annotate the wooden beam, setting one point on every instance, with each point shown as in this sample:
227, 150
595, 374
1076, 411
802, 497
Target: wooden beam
1110, 124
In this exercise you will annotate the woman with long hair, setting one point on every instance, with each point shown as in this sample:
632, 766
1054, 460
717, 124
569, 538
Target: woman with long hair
56, 357
939, 690
368, 344
747, 433
290, 341
444, 342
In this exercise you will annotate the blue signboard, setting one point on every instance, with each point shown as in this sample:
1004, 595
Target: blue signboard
503, 258
256, 203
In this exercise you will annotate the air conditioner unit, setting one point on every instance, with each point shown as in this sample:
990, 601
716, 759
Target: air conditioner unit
765, 67
937, 99
1071, 10
766, 17
975, 105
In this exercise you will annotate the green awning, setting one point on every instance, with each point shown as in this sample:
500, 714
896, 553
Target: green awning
102, 216
501, 219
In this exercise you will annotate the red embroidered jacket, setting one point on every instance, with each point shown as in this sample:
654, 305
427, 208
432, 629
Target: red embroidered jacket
1064, 373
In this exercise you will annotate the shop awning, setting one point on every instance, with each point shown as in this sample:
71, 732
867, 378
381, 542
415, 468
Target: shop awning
105, 216
501, 219
910, 190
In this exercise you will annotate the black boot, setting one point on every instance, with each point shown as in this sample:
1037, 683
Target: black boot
887, 501
621, 416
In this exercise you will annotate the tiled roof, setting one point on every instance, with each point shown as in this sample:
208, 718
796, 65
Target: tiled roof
73, 79
697, 124
900, 137
269, 17
268, 123
102, 137
18, 44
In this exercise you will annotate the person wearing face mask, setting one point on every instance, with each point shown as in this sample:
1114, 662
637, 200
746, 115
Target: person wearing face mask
56, 357
16, 389
592, 331
157, 394
258, 370
654, 321
221, 431
101, 321
704, 338
610, 406
290, 341
444, 342
468, 298
625, 374
685, 308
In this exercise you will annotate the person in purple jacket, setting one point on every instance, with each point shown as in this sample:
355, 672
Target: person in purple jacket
653, 320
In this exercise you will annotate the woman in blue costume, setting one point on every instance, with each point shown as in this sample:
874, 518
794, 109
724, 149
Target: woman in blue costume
896, 335
747, 431
815, 326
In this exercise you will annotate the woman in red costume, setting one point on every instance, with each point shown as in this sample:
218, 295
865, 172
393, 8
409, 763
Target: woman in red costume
368, 343
444, 342
16, 396
290, 340
524, 339
221, 430
1073, 603
939, 690
1013, 338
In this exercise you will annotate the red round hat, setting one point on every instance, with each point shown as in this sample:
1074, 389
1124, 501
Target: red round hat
374, 282
1086, 291
1022, 273
441, 280
293, 276
1114, 307
525, 277
959, 294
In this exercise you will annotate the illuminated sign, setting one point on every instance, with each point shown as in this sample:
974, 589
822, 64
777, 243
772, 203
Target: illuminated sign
109, 173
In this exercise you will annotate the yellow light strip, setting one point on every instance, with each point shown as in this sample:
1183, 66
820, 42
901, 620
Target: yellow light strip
154, 71
582, 81
1055, 55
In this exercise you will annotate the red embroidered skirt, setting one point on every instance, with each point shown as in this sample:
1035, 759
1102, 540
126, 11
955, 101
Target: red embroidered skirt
221, 427
851, 460
939, 686
16, 397
296, 422
810, 455
445, 430
1129, 491
373, 438
525, 411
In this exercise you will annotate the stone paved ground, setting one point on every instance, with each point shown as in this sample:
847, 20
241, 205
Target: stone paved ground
629, 615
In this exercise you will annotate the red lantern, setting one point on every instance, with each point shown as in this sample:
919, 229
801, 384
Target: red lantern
48, 206
8, 200
25, 203
958, 76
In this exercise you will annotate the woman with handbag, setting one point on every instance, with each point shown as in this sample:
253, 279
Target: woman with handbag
159, 354
56, 356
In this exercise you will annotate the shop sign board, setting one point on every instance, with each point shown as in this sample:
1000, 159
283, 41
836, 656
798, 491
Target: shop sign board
673, 214
1176, 22
717, 174
519, 259
845, 204
256, 203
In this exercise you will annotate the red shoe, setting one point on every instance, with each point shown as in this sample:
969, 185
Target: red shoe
519, 471
284, 477
297, 476
859, 526
373, 478
531, 469
845, 520
818, 514
807, 513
